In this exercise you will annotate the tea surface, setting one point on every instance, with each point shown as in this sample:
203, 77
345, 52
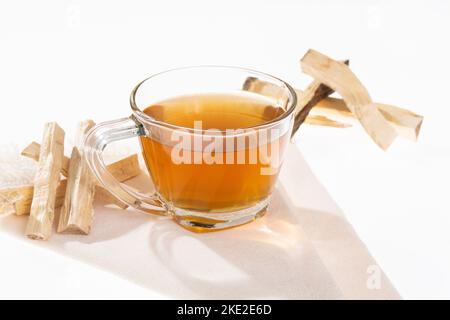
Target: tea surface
216, 111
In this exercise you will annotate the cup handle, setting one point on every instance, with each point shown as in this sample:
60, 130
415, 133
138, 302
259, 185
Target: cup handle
96, 140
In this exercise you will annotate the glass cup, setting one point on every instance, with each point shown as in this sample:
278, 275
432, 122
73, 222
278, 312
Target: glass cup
205, 190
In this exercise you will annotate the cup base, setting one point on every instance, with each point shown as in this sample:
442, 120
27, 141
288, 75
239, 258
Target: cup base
201, 222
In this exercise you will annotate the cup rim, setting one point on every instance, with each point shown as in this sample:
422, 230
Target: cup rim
143, 117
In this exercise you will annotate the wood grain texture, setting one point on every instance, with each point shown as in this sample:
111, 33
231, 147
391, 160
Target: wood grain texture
20, 198
77, 211
406, 123
315, 92
33, 150
42, 212
123, 169
319, 120
306, 100
340, 78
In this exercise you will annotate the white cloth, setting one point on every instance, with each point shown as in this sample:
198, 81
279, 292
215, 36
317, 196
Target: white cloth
303, 248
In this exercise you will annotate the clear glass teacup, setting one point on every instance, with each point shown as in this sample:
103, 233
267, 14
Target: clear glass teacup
206, 179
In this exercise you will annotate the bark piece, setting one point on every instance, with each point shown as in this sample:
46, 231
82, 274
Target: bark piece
324, 121
306, 100
122, 170
19, 198
46, 182
77, 211
32, 151
340, 78
256, 85
125, 168
406, 123
16, 199
314, 93
105, 196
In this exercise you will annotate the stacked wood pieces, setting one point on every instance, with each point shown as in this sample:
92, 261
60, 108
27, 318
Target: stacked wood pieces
62, 182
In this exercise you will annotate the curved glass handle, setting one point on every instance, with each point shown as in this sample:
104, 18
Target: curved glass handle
96, 140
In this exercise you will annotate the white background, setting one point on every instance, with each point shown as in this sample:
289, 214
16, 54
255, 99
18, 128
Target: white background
69, 60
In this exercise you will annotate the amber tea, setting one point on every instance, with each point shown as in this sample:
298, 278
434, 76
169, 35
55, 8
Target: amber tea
226, 169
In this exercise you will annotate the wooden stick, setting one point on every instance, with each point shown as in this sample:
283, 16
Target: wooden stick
319, 120
20, 198
32, 151
7, 200
122, 170
340, 78
106, 197
13, 199
77, 211
47, 177
315, 92
406, 123
256, 85
125, 168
